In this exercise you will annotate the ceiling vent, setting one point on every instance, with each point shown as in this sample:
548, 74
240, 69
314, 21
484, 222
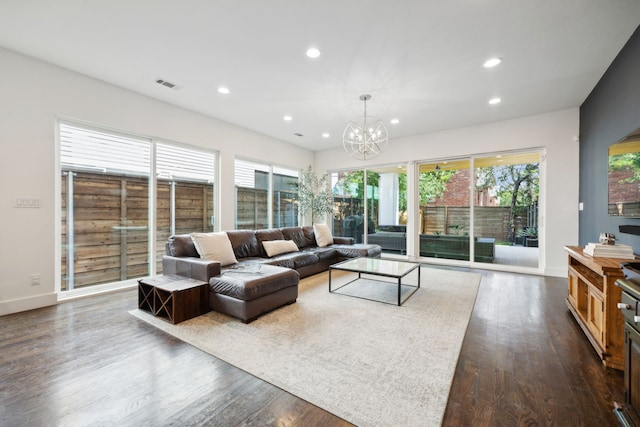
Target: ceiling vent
166, 83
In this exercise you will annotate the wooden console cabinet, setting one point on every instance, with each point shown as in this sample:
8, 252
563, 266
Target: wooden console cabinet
593, 299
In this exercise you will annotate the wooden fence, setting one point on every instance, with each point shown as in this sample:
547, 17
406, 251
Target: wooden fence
110, 224
489, 221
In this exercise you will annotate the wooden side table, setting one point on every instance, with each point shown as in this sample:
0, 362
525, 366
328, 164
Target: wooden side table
173, 298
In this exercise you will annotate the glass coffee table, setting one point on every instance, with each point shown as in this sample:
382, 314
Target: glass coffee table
380, 268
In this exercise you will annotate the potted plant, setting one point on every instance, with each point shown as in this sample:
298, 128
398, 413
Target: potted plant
531, 237
314, 196
457, 229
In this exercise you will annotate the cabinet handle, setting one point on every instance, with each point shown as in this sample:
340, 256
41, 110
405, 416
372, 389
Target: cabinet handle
623, 306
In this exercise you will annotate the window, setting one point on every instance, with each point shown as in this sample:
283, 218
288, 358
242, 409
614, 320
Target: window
284, 206
265, 196
106, 197
184, 193
479, 209
382, 199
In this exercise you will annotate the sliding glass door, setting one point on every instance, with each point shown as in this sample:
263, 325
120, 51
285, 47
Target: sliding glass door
481, 209
444, 197
372, 206
350, 204
507, 191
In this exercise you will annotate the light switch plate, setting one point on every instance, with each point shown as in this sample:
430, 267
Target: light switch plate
28, 203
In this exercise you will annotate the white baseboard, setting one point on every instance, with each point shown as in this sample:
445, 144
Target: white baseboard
30, 303
556, 272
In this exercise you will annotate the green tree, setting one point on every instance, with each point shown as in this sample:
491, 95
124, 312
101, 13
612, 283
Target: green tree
629, 162
352, 183
314, 196
516, 186
433, 184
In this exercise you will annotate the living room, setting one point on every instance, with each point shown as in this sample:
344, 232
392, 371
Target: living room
36, 94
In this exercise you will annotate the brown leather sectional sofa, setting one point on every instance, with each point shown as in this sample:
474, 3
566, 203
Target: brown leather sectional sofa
257, 284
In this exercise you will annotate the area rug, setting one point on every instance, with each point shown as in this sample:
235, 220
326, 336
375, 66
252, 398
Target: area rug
370, 363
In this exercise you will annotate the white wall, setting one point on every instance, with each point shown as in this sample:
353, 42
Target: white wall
555, 132
33, 95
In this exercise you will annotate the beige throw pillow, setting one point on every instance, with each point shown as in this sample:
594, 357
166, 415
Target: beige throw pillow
215, 247
277, 247
323, 235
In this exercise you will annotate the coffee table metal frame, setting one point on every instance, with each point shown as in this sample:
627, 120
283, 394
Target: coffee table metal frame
377, 267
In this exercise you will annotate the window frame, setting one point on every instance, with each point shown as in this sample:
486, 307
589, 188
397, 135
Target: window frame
153, 247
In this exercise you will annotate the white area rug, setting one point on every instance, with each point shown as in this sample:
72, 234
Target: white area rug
370, 363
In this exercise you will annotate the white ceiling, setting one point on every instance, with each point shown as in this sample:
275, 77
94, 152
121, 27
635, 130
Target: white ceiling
420, 60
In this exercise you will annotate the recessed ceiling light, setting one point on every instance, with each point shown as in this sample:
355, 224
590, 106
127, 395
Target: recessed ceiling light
313, 52
489, 63
223, 90
287, 118
494, 101
326, 135
394, 121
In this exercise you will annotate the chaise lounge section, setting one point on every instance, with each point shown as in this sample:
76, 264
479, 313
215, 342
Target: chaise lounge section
256, 282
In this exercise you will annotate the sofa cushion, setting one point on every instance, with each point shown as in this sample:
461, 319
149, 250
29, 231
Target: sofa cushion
245, 244
323, 254
181, 245
267, 235
323, 235
277, 247
309, 236
296, 234
305, 258
358, 250
285, 260
253, 282
214, 246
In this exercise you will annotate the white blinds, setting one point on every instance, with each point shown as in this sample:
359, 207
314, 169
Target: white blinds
97, 151
92, 150
179, 163
245, 172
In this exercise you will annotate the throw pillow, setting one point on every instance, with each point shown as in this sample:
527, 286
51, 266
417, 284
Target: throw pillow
277, 247
323, 235
215, 247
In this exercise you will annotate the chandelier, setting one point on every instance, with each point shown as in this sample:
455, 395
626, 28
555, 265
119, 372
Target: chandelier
365, 139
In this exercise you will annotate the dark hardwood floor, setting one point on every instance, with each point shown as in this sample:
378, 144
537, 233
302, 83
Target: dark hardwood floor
524, 362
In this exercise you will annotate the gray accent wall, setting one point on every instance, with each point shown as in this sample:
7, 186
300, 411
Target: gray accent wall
610, 112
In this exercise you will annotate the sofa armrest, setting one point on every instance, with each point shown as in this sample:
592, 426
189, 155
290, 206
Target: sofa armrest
194, 268
338, 240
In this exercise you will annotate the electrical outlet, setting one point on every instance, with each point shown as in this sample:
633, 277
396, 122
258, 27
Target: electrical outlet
35, 279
